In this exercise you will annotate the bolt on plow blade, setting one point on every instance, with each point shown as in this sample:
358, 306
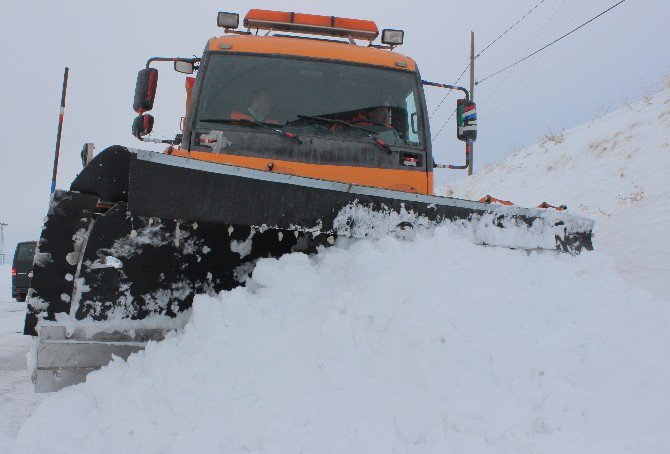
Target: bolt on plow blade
124, 251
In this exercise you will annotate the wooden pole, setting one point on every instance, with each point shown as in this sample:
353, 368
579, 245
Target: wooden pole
472, 92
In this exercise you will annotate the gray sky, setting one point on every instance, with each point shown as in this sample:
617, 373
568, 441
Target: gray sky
601, 67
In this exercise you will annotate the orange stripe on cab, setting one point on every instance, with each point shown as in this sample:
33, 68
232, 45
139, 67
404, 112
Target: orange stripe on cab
398, 180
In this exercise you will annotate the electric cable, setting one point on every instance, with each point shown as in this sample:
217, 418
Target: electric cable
443, 125
551, 43
477, 56
509, 28
530, 45
450, 90
484, 50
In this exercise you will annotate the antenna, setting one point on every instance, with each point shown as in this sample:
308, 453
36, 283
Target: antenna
2, 242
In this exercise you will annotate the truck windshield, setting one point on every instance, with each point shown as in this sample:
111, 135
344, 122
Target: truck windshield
300, 96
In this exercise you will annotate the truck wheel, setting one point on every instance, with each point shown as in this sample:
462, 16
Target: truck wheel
21, 297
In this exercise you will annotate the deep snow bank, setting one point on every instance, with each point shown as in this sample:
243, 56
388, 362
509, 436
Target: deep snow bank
434, 345
614, 170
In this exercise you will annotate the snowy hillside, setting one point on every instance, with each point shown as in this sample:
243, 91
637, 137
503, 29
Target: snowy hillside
614, 170
428, 346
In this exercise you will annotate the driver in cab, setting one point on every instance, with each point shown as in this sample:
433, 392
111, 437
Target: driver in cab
376, 116
258, 109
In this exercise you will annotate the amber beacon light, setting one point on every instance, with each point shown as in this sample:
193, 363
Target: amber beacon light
311, 23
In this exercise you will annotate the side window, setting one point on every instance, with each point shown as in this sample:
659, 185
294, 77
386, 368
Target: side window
412, 119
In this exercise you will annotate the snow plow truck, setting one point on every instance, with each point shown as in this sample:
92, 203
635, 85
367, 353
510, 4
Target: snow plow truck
298, 129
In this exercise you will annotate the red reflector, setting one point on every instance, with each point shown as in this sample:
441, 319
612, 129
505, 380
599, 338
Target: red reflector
13, 271
103, 205
311, 23
151, 92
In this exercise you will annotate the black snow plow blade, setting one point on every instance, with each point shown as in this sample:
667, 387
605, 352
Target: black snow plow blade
140, 233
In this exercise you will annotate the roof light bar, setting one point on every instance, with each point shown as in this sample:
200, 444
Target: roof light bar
228, 20
392, 37
311, 23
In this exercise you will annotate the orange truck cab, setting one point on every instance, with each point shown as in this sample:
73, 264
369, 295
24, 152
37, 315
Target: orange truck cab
285, 102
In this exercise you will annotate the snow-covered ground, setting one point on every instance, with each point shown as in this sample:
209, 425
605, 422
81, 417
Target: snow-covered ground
431, 345
614, 170
436, 345
17, 398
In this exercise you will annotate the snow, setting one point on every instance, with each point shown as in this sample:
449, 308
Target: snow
427, 345
243, 248
384, 346
495, 228
613, 170
5, 281
118, 321
17, 398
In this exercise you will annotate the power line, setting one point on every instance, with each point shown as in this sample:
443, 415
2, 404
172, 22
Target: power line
527, 49
443, 125
450, 90
509, 28
477, 56
551, 43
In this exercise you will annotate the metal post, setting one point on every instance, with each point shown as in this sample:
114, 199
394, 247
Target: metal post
472, 91
60, 129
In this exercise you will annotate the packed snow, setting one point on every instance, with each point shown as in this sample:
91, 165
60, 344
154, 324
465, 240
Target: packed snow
426, 345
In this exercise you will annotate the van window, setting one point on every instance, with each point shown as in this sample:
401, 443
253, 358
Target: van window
25, 252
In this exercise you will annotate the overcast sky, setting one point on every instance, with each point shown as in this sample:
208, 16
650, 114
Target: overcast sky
610, 62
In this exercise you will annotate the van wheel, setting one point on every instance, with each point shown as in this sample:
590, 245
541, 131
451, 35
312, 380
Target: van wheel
21, 297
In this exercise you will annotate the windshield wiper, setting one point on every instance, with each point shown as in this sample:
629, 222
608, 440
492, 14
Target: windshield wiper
244, 121
366, 131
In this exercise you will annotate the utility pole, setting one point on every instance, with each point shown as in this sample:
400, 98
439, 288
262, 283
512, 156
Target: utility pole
2, 242
472, 92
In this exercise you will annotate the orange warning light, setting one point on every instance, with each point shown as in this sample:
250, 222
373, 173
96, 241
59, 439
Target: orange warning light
311, 23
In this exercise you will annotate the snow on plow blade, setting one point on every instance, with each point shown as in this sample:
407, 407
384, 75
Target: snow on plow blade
140, 233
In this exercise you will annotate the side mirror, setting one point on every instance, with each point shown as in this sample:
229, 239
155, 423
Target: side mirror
184, 67
466, 120
143, 125
145, 90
